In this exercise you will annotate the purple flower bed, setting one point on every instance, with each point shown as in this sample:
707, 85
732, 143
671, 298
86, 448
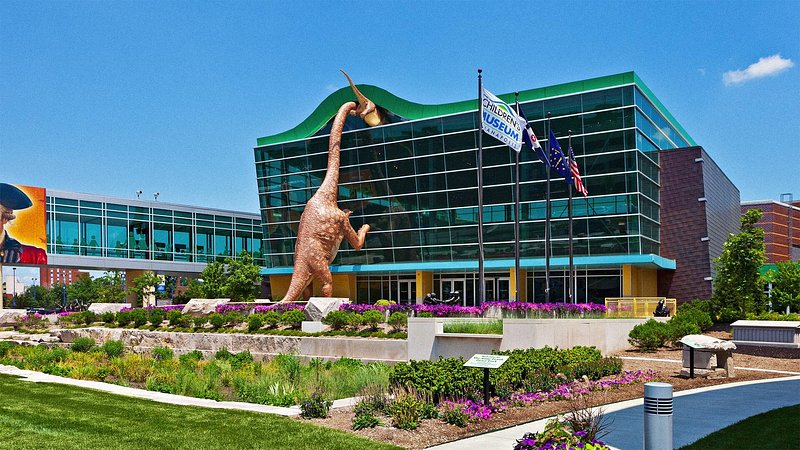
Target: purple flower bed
576, 388
519, 309
279, 307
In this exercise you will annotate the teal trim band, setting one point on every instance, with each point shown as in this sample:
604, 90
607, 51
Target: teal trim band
647, 261
413, 111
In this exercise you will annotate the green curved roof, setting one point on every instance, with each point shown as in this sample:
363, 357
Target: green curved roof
410, 110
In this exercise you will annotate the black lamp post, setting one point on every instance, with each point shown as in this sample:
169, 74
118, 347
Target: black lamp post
14, 301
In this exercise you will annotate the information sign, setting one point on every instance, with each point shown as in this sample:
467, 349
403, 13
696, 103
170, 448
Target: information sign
486, 361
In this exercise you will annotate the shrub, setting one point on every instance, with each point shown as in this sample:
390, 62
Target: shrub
108, 317
174, 316
82, 344
398, 321
337, 319
155, 316
693, 315
162, 353
233, 318
405, 410
365, 421
425, 314
293, 318
200, 321
138, 317
271, 318
89, 317
216, 320
241, 359
113, 348
124, 318
383, 302
223, 354
254, 322
315, 407
355, 320
191, 358
648, 336
5, 346
453, 413
729, 315
676, 329
372, 318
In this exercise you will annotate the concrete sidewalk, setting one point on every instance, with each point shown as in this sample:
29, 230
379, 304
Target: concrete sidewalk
696, 414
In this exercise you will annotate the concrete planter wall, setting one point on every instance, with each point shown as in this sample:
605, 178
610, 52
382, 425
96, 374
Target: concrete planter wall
261, 346
766, 333
426, 339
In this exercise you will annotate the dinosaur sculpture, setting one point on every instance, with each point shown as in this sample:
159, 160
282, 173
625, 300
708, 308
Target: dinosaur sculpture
323, 225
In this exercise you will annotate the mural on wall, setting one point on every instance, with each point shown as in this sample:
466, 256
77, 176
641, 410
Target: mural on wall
23, 235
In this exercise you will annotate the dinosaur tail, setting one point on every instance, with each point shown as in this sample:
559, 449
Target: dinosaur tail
296, 287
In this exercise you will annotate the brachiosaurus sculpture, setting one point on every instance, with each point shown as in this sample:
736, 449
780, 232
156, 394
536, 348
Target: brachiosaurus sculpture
323, 225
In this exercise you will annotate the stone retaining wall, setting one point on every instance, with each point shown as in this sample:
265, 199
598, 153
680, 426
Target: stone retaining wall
260, 345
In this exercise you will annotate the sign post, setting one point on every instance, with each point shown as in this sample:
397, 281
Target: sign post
486, 362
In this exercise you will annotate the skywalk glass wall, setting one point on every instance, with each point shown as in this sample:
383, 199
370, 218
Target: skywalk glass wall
415, 183
118, 230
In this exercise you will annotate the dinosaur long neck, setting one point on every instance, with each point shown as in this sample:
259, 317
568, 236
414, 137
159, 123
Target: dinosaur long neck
330, 185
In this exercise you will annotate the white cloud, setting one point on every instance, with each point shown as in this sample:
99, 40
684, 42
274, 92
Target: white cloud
765, 67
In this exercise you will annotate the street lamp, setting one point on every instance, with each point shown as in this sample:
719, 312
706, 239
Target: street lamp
14, 302
34, 290
156, 194
138, 193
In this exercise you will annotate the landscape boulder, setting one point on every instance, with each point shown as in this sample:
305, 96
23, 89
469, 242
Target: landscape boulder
318, 307
100, 308
203, 306
10, 317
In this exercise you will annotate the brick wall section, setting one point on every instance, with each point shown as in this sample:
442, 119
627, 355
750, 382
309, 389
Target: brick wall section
687, 175
775, 223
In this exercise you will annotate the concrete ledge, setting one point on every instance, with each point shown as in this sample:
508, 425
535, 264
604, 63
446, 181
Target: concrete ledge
262, 347
768, 333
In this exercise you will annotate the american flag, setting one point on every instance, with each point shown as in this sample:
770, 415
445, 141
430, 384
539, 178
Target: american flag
576, 175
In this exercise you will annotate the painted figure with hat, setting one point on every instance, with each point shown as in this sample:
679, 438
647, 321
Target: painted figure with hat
11, 250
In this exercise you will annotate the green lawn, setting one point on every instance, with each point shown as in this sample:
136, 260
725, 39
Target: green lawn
775, 430
51, 416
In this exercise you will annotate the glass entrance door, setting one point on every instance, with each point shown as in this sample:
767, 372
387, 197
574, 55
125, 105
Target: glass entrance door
503, 289
449, 285
406, 292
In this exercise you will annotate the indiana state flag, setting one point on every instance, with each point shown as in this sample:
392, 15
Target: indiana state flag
558, 161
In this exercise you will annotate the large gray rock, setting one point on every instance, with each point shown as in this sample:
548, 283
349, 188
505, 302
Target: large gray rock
100, 308
319, 307
10, 317
203, 306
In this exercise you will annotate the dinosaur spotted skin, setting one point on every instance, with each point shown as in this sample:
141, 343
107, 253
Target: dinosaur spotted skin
323, 225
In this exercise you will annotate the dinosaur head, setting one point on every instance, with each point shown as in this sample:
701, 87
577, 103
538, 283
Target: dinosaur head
366, 108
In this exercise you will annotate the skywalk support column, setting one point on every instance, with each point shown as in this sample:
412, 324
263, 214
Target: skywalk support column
424, 285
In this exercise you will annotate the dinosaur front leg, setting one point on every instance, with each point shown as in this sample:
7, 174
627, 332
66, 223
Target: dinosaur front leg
355, 239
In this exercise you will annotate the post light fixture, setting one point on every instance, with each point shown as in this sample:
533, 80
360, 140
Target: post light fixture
138, 193
156, 194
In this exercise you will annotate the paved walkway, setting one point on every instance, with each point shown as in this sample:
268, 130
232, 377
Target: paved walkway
38, 377
697, 413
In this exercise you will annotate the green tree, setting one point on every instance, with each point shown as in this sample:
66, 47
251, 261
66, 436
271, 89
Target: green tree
144, 284
738, 285
84, 289
785, 286
243, 279
213, 277
109, 288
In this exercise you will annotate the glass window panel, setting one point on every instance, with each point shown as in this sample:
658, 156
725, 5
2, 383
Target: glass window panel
563, 105
462, 179
460, 141
204, 247
399, 150
183, 243
533, 110
605, 142
562, 125
398, 132
460, 160
222, 243
67, 233
91, 236
429, 127
116, 238
609, 98
602, 121
428, 146
458, 122
162, 242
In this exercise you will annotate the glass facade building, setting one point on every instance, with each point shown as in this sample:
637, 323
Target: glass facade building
414, 181
83, 225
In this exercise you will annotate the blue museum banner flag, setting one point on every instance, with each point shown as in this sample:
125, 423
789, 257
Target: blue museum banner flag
529, 138
557, 160
500, 121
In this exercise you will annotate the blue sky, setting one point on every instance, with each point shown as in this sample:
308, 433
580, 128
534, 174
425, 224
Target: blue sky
114, 97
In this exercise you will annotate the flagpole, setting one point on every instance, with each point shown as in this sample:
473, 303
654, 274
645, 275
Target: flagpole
516, 214
569, 214
547, 219
481, 284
